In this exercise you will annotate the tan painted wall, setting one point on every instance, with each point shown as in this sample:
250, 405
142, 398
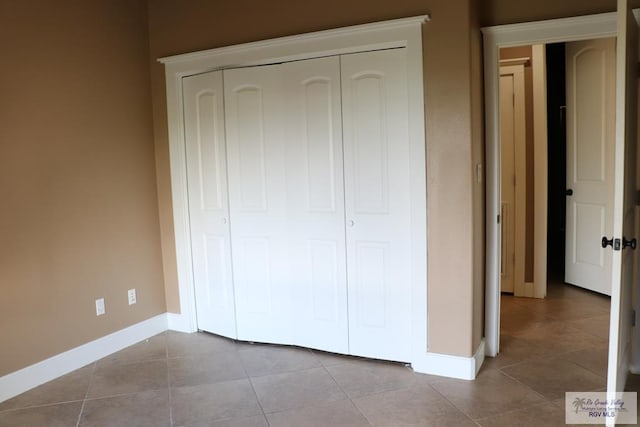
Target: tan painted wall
179, 27
78, 217
498, 12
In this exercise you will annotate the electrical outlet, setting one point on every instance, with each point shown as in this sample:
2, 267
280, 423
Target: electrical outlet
100, 310
132, 296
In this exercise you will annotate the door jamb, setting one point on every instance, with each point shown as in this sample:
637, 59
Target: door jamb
520, 176
540, 32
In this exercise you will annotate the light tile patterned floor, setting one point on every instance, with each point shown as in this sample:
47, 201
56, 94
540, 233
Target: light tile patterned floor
173, 379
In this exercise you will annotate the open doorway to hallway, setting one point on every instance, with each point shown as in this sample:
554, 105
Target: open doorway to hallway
623, 337
562, 334
557, 99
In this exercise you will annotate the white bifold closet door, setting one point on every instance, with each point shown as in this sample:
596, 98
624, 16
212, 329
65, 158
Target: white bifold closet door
378, 205
287, 203
314, 247
208, 202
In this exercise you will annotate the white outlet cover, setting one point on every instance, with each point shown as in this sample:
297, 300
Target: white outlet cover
100, 309
131, 294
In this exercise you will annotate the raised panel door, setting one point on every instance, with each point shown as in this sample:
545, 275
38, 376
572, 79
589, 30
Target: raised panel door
377, 202
255, 111
315, 203
208, 203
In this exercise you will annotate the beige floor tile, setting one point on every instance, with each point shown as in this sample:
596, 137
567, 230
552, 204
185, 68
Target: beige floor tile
254, 421
491, 393
561, 338
547, 415
332, 359
363, 377
70, 387
118, 379
552, 378
146, 409
514, 350
597, 325
154, 348
279, 392
208, 403
61, 415
208, 368
184, 345
419, 406
340, 413
592, 358
264, 359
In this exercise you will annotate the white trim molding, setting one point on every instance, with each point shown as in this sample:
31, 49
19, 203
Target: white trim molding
179, 323
401, 33
464, 368
49, 369
541, 32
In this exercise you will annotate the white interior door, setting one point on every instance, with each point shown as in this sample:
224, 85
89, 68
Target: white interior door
377, 194
513, 177
624, 258
591, 77
208, 202
255, 111
315, 203
287, 203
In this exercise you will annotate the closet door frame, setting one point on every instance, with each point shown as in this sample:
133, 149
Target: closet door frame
400, 33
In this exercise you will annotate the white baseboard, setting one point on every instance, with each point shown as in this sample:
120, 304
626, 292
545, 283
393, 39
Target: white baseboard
465, 368
180, 323
39, 373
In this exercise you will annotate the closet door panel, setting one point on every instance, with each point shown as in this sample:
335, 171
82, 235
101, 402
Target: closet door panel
254, 108
377, 185
208, 202
315, 203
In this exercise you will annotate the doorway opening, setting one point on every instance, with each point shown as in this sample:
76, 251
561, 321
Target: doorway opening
623, 337
495, 38
562, 316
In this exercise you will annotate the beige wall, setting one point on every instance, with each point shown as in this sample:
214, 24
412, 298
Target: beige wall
78, 215
498, 12
179, 27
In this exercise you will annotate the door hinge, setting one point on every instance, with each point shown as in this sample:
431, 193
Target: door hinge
633, 317
498, 219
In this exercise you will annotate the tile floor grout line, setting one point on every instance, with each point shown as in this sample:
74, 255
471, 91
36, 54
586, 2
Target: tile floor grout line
349, 398
86, 394
237, 350
166, 354
527, 386
452, 403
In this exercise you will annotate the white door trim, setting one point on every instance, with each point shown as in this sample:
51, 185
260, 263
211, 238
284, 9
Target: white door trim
550, 31
406, 33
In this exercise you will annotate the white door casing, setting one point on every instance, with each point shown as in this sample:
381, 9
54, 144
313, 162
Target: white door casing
590, 82
378, 205
624, 259
513, 181
208, 202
